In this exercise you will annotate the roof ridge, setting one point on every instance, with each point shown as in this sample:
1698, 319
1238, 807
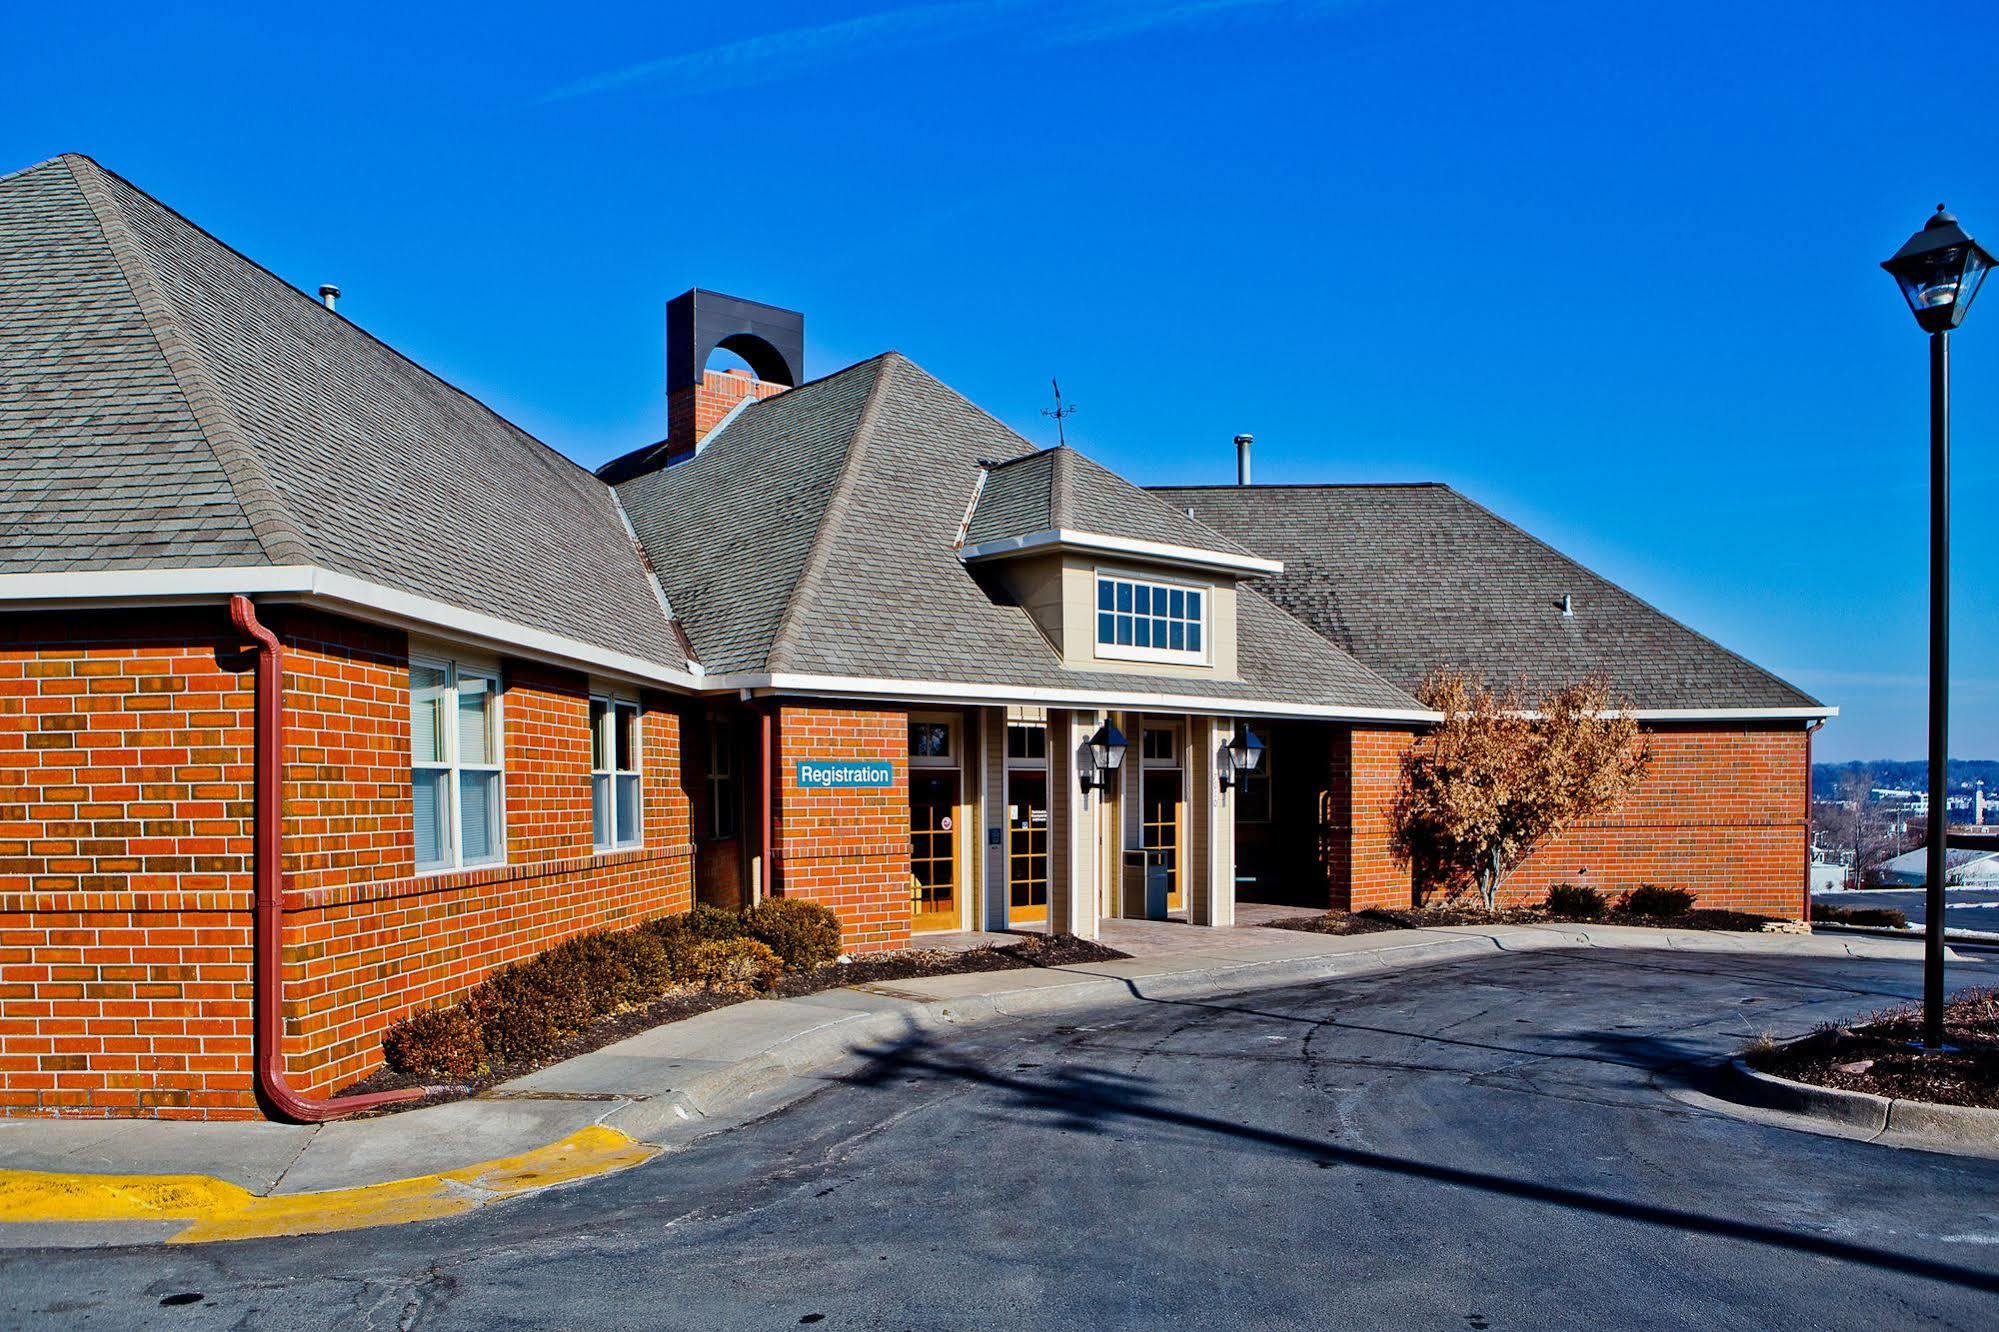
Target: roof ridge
821, 552
263, 509
1614, 584
1225, 486
340, 319
1061, 485
63, 158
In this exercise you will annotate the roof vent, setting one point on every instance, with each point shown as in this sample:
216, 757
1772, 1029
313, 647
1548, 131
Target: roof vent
1242, 443
1568, 607
328, 294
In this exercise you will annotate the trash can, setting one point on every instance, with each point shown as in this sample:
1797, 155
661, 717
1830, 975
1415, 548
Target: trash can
1158, 883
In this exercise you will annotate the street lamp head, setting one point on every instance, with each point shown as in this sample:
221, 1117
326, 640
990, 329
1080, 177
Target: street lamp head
1106, 748
1246, 750
1939, 271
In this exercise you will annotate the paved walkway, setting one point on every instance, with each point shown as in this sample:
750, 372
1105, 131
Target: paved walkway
666, 1086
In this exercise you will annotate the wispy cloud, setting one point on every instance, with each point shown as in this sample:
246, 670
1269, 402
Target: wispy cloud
1125, 20
772, 57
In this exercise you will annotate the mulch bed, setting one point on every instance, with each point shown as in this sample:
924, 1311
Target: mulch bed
1879, 1054
1376, 919
1034, 950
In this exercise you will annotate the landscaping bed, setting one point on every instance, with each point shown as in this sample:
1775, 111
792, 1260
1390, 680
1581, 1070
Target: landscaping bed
1881, 1054
1669, 908
596, 989
1887, 918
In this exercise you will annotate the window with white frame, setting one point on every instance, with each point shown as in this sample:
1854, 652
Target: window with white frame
1143, 619
722, 793
615, 806
455, 775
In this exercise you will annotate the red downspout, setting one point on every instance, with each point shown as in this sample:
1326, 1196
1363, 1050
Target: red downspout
269, 974
769, 775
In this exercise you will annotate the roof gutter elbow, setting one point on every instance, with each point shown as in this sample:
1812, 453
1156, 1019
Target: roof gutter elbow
267, 874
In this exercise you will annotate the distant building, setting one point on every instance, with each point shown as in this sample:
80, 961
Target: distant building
1970, 869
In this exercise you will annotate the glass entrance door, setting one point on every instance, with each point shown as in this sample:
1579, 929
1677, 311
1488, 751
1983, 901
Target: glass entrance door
1162, 790
1027, 847
933, 850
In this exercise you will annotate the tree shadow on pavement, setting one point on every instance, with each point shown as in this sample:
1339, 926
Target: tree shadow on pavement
1094, 1101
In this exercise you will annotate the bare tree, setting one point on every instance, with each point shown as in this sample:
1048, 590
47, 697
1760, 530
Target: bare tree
1499, 775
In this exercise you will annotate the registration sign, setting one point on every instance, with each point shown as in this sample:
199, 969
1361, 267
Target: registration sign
845, 774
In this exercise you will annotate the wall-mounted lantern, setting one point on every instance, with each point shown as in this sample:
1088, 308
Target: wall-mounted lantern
1106, 748
1240, 756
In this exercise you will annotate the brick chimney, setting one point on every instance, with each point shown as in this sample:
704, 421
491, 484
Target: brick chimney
697, 398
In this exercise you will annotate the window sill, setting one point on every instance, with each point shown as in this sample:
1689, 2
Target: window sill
1163, 656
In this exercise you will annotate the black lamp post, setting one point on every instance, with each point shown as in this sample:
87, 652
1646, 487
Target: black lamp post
1939, 272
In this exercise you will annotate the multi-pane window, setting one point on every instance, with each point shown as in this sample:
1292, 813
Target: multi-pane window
614, 772
1027, 740
722, 797
930, 739
1150, 621
456, 796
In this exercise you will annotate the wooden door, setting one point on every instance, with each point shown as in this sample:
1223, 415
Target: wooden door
933, 850
1160, 824
1027, 847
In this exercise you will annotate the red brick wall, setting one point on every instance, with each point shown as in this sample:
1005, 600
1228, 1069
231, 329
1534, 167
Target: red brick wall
848, 849
369, 939
695, 410
1723, 812
125, 847
1362, 770
125, 855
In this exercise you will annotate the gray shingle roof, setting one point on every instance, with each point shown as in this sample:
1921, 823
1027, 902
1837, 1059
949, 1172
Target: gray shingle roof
102, 462
815, 534
1059, 488
170, 403
1414, 579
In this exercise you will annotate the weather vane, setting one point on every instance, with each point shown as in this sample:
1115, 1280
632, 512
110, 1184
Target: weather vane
1060, 413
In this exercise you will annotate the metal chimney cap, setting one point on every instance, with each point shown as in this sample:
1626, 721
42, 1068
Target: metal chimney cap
1245, 439
328, 294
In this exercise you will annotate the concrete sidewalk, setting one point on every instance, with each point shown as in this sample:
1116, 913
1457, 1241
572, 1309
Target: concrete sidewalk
72, 1181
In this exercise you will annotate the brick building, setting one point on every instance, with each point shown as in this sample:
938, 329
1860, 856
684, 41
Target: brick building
324, 690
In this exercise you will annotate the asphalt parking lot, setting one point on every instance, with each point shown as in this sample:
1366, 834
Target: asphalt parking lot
1477, 1145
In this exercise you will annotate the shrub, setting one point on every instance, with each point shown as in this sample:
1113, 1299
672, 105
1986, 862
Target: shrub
1650, 899
525, 1008
437, 1043
803, 934
710, 923
741, 966
1881, 916
1576, 901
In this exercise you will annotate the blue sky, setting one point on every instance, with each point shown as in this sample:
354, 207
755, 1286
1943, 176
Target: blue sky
1609, 269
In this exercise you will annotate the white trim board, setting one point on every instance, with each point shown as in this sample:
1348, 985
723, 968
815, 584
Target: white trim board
353, 596
1066, 538
923, 691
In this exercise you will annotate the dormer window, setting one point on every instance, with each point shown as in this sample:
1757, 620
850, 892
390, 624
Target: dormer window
1151, 619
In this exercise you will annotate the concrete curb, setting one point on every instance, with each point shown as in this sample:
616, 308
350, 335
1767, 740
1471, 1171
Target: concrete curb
1961, 1126
199, 1209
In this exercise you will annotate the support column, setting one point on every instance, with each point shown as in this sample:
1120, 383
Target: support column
1075, 834
1210, 859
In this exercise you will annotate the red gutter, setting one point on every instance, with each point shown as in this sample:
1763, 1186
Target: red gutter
769, 775
269, 974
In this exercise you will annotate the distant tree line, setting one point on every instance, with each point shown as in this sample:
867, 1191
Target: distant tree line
1833, 781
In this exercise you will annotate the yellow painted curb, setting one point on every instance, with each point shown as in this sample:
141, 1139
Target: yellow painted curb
218, 1210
